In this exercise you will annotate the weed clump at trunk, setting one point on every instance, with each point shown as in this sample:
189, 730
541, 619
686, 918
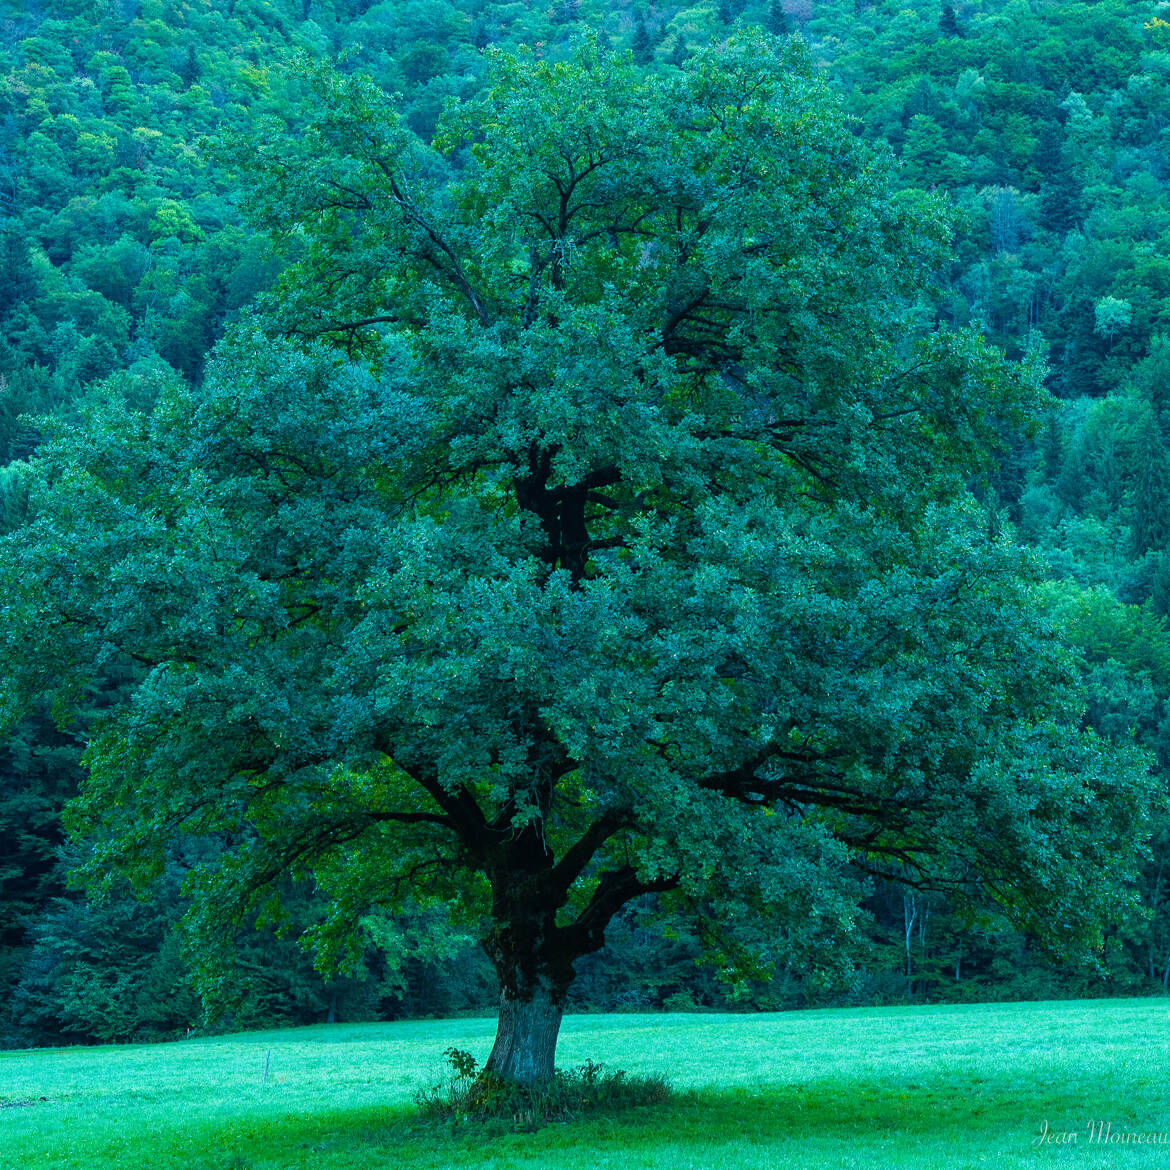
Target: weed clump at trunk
472, 1094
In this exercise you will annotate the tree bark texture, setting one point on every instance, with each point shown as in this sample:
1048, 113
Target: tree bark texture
526, 1037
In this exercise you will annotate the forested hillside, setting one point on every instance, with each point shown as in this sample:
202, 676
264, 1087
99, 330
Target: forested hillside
136, 228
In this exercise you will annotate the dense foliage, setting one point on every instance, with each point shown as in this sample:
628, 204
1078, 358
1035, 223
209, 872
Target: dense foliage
124, 251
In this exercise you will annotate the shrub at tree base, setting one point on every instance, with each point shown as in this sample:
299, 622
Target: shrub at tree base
475, 1094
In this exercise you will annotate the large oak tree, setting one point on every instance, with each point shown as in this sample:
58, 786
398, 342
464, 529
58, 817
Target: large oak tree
587, 517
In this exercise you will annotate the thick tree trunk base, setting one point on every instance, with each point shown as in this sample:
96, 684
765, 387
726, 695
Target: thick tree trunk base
526, 1037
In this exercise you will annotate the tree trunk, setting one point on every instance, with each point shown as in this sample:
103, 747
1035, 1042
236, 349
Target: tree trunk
533, 954
909, 914
526, 1037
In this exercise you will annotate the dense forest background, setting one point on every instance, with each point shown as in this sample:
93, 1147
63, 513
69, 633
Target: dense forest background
123, 254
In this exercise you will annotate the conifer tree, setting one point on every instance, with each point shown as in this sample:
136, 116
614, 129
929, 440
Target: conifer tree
642, 45
776, 21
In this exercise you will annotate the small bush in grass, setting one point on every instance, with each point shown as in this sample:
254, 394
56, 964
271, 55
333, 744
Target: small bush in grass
473, 1094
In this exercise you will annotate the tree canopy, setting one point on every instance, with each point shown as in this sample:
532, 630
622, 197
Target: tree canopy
585, 515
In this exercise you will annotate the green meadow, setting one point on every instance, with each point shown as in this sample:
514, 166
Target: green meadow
955, 1086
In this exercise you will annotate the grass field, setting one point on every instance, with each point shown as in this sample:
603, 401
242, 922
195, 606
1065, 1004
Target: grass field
898, 1088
